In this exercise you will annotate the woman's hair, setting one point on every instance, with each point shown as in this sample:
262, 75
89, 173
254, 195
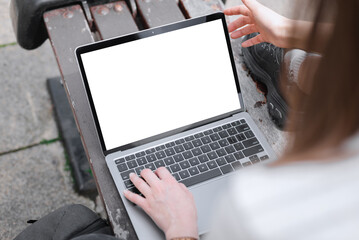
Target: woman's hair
330, 113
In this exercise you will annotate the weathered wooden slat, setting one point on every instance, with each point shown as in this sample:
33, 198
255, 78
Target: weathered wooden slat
159, 12
195, 8
113, 19
68, 29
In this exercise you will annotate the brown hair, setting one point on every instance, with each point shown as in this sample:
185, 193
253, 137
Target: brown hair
330, 114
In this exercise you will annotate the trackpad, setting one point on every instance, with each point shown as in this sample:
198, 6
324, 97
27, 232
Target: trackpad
206, 197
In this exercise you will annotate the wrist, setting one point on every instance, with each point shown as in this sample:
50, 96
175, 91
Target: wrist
183, 233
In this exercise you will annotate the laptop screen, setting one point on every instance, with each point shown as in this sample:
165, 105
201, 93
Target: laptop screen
150, 86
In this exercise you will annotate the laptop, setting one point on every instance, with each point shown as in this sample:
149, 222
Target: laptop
170, 96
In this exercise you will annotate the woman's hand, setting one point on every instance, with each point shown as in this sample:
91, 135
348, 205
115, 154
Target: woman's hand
272, 27
169, 203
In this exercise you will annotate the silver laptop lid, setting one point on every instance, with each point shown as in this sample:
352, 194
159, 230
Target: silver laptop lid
158, 82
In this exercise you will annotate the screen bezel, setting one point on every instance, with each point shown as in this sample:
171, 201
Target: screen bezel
145, 34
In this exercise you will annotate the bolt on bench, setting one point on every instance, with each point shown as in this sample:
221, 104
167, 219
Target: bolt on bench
69, 24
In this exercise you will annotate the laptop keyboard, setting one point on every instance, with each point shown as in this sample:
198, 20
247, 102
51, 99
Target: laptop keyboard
198, 157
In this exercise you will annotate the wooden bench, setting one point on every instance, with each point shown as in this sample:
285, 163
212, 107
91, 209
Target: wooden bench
71, 26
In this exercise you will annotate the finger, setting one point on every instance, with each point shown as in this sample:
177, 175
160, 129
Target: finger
252, 5
183, 187
135, 198
253, 41
150, 177
163, 173
242, 9
244, 31
141, 185
238, 23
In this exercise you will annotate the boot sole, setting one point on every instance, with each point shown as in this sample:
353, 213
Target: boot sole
277, 106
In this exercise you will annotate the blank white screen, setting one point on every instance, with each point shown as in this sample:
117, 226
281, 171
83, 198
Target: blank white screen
156, 84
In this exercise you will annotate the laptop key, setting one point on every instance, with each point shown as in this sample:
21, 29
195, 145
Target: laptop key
215, 137
246, 164
170, 144
242, 128
212, 164
238, 155
198, 135
170, 152
179, 141
206, 148
176, 176
126, 175
178, 157
188, 145
193, 161
214, 146
230, 158
237, 165
253, 150
249, 134
187, 155
203, 167
139, 169
238, 146
189, 138
179, 148
221, 152
240, 137
250, 142
140, 154
196, 152
193, 171
212, 155
201, 177
223, 134
230, 149
121, 160
232, 140
197, 143
223, 143
203, 158
149, 151
217, 129
243, 121
184, 174
169, 160
175, 168
208, 132
131, 157
160, 155
151, 158
128, 184
228, 125
265, 157
150, 166
132, 164
221, 161
135, 190
232, 131
141, 161
160, 163
206, 140
159, 148
122, 167
184, 164
226, 168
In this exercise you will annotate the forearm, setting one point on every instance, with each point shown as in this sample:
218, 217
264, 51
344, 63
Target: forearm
298, 35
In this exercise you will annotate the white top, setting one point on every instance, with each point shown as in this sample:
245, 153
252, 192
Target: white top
307, 200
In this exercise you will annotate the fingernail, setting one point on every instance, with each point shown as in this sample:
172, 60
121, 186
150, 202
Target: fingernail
131, 174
